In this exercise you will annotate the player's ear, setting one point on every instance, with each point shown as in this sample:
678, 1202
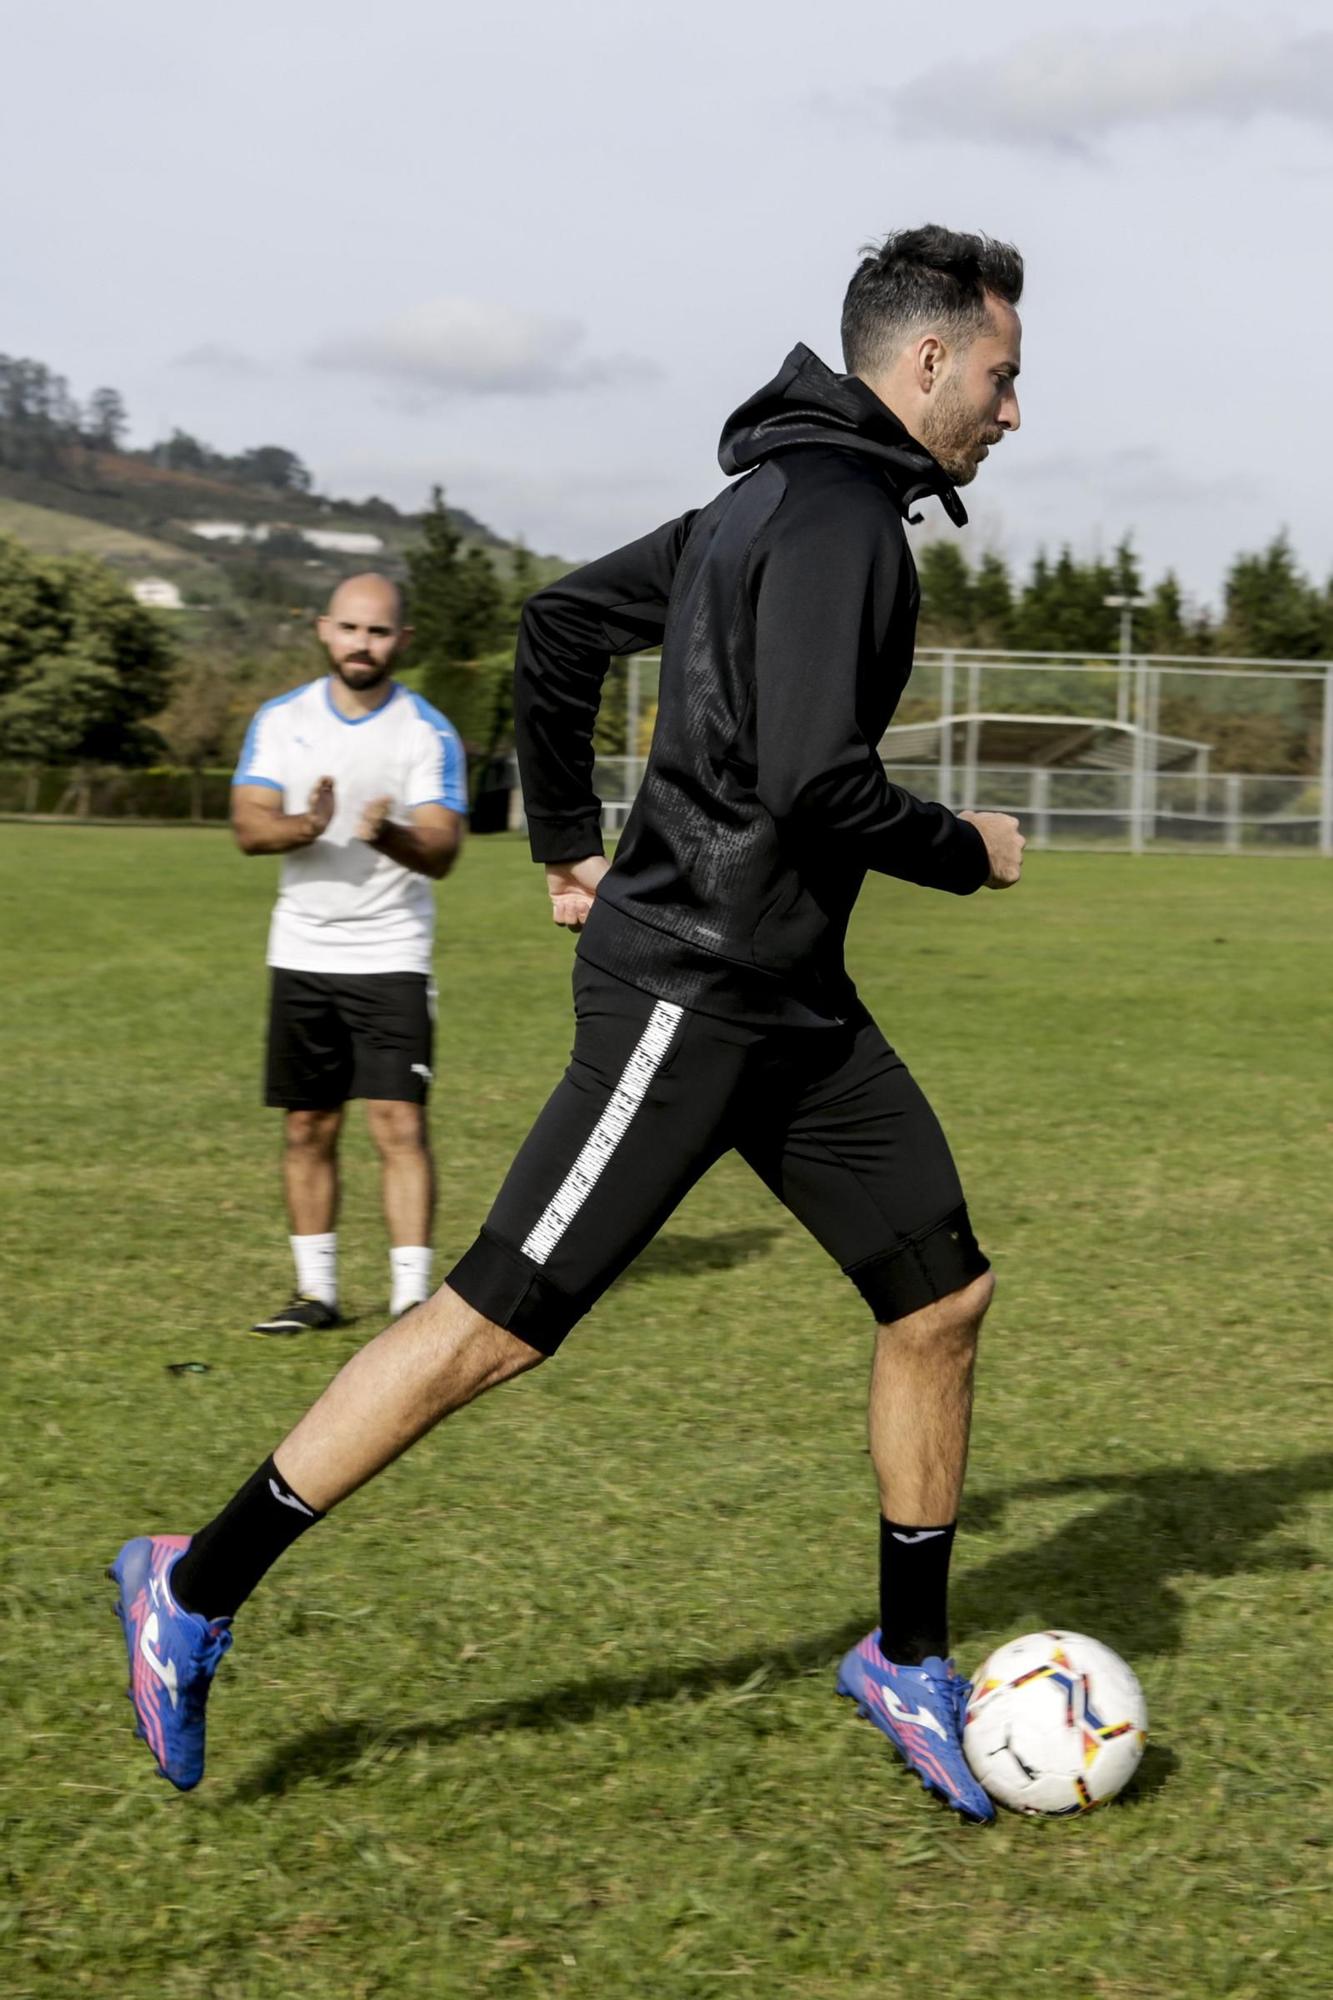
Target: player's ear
930, 357
324, 627
405, 634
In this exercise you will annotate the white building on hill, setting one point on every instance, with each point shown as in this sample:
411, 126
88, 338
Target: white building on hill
158, 592
334, 541
220, 531
342, 542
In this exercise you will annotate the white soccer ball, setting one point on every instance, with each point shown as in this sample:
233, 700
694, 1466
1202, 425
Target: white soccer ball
1056, 1724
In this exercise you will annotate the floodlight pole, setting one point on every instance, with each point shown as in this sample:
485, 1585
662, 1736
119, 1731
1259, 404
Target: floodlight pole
945, 752
1126, 606
1325, 767
1138, 795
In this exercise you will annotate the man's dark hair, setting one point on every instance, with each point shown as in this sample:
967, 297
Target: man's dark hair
923, 278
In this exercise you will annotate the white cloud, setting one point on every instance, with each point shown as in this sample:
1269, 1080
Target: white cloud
1067, 91
214, 357
474, 347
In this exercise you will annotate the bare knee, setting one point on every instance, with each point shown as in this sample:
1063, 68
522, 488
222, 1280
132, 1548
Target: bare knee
470, 1346
312, 1132
501, 1355
969, 1306
953, 1321
396, 1127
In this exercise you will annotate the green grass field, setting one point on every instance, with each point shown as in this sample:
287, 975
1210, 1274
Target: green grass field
549, 1710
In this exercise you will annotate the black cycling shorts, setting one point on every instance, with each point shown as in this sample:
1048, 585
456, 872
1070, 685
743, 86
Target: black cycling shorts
654, 1094
335, 1035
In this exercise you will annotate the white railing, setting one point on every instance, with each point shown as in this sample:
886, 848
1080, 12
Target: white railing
1215, 710
1226, 813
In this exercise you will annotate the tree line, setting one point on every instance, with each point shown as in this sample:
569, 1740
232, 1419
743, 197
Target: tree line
87, 675
1270, 610
44, 429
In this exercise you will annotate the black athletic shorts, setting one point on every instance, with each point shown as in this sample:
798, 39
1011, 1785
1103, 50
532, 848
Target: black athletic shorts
829, 1118
335, 1035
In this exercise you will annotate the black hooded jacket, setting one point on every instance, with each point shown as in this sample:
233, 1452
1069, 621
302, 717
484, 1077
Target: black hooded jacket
786, 612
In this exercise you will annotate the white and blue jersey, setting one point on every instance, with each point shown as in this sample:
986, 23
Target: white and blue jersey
343, 906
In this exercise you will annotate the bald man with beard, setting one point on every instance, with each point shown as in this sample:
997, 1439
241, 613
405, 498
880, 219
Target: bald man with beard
361, 786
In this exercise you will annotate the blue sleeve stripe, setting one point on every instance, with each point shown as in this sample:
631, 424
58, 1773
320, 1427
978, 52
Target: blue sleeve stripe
453, 759
455, 785
244, 775
247, 750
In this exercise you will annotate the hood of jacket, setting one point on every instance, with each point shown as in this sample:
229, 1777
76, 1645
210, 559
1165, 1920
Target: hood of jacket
806, 403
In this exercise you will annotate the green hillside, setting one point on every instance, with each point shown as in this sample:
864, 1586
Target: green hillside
135, 513
51, 531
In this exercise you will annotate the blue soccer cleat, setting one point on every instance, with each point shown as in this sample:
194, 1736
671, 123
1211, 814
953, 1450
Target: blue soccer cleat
173, 1656
920, 1709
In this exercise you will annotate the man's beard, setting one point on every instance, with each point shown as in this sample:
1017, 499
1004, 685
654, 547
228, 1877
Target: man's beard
362, 674
952, 432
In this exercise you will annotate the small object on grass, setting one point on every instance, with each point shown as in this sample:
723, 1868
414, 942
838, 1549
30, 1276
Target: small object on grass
188, 1368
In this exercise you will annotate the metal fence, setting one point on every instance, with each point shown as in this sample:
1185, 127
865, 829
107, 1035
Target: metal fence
1119, 751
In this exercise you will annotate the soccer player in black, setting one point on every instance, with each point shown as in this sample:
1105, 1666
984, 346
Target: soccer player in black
713, 1008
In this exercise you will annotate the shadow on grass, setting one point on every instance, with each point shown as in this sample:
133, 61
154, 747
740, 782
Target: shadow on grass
677, 1255
1156, 1771
331, 1752
1114, 1573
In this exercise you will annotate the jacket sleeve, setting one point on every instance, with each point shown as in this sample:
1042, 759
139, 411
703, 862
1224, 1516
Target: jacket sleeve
568, 636
826, 588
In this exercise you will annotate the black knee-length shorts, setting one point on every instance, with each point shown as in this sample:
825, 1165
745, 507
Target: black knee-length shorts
337, 1035
829, 1118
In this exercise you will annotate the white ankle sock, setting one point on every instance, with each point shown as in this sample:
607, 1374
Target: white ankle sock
411, 1275
317, 1266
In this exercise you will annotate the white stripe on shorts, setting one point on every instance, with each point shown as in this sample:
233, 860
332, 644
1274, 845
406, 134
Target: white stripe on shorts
606, 1134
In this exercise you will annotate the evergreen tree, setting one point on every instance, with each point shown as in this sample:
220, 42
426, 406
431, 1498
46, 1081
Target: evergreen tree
39, 419
107, 420
432, 569
522, 584
992, 602
1033, 613
1126, 578
461, 620
1062, 608
1272, 612
1166, 626
946, 594
480, 614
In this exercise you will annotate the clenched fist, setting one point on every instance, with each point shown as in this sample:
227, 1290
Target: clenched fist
572, 886
1004, 846
372, 820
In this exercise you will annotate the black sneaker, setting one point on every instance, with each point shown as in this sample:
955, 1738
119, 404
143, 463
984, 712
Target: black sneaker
303, 1315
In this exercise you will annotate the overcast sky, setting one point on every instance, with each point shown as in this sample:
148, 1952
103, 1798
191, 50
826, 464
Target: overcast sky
537, 252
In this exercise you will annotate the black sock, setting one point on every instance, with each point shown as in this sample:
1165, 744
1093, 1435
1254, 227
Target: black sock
914, 1591
226, 1559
